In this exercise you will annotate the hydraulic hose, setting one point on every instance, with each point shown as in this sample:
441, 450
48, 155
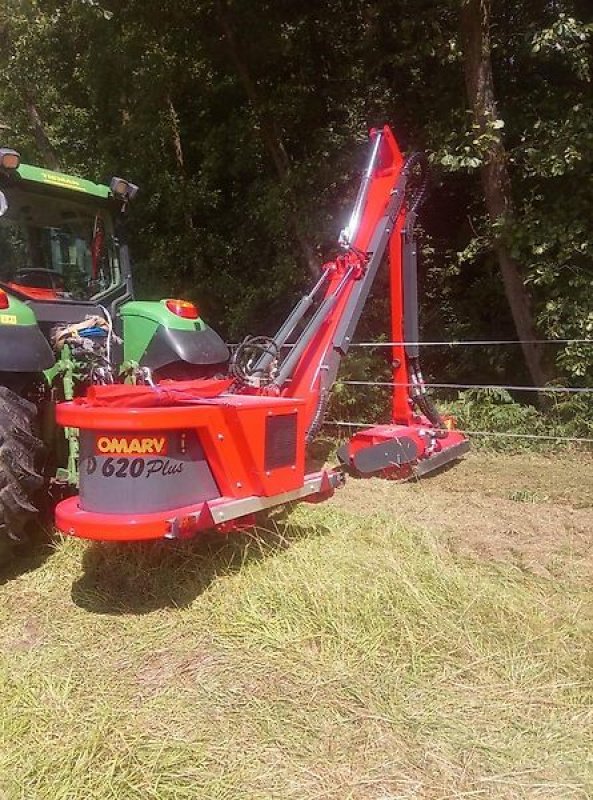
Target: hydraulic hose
252, 348
421, 192
423, 401
318, 417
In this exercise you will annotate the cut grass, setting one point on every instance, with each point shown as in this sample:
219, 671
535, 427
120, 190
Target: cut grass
329, 655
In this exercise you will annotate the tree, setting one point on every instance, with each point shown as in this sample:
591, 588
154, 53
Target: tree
21, 83
475, 27
241, 122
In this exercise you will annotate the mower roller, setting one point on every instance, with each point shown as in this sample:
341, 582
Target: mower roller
170, 458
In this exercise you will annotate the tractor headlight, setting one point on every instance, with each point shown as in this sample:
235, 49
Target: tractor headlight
9, 159
123, 189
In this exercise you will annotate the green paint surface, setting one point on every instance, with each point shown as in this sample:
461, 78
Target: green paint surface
141, 320
62, 181
17, 313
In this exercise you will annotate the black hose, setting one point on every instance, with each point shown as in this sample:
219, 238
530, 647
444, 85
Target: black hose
318, 417
421, 192
247, 353
424, 403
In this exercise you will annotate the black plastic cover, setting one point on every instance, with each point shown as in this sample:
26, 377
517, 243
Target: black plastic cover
168, 346
24, 348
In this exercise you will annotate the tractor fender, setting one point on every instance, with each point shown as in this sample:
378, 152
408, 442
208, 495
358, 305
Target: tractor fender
169, 345
155, 337
23, 347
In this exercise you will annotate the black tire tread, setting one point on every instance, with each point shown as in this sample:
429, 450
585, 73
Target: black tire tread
21, 451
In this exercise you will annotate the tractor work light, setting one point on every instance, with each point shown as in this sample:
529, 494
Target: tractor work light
4, 300
183, 308
123, 189
9, 159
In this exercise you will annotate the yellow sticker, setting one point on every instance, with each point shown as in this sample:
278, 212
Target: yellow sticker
64, 181
8, 319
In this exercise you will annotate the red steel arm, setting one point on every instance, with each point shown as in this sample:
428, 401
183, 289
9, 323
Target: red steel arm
376, 224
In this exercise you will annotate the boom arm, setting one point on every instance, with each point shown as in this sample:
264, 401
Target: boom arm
309, 370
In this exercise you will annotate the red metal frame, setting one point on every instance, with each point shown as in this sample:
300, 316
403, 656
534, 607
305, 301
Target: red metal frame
305, 382
400, 399
231, 431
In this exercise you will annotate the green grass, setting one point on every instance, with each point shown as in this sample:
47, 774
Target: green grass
328, 656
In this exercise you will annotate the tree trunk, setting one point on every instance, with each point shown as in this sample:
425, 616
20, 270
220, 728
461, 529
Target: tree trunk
42, 141
176, 135
179, 159
496, 184
270, 135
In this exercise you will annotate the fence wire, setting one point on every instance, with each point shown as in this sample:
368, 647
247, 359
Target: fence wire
571, 390
473, 343
456, 343
574, 390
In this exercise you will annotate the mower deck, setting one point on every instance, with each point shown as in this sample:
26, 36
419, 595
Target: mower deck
402, 451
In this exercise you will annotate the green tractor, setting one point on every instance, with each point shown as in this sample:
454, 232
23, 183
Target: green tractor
68, 319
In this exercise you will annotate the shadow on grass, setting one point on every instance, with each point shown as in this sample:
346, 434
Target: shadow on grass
17, 559
137, 578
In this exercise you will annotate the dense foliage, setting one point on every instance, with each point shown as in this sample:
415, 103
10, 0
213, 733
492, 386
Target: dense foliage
243, 121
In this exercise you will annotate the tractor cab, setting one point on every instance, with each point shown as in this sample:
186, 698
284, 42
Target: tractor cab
64, 257
61, 237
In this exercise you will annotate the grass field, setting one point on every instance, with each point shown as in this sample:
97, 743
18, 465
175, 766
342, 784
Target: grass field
400, 641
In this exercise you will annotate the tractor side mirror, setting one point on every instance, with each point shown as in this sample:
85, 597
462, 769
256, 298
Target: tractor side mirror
3, 204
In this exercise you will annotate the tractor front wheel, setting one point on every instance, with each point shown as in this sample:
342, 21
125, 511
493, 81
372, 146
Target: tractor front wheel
20, 475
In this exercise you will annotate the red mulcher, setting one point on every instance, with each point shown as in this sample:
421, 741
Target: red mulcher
170, 460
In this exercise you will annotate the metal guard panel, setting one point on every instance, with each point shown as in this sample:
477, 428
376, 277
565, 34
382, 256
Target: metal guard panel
74, 521
443, 457
385, 455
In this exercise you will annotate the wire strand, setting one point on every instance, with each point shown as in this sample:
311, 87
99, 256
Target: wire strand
473, 343
454, 343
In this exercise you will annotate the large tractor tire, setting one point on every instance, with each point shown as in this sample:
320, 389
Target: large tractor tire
21, 452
